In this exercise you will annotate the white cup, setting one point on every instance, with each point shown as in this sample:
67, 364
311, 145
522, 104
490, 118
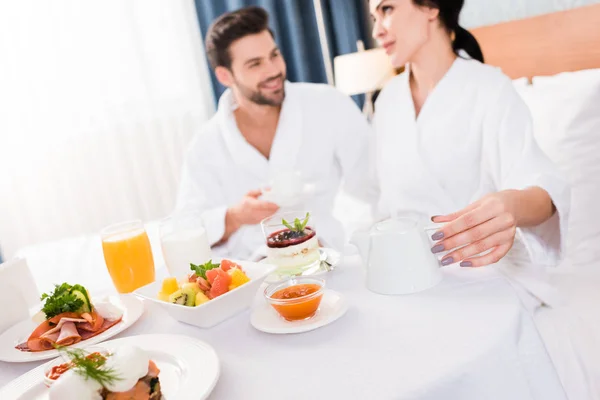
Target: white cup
184, 241
287, 183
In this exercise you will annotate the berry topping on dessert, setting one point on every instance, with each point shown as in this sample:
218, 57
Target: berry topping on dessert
294, 234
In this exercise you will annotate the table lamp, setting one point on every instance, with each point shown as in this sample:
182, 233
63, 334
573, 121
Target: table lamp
365, 71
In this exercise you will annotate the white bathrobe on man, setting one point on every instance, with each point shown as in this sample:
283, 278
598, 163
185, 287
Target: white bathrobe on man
321, 134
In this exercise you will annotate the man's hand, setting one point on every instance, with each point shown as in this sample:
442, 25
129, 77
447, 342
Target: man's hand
249, 211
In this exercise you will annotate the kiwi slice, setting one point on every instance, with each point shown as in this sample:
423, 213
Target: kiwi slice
190, 300
183, 297
178, 297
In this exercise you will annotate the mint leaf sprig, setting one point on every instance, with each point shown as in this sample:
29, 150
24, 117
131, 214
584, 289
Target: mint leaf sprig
298, 225
201, 269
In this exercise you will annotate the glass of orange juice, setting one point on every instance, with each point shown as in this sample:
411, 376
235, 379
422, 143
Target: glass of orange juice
128, 255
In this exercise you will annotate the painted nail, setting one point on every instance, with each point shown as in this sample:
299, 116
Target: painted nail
434, 217
438, 235
447, 261
466, 264
438, 248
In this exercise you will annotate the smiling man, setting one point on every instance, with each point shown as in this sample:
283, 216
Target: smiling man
265, 129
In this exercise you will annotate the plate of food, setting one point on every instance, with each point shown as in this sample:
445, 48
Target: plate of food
145, 367
211, 293
69, 317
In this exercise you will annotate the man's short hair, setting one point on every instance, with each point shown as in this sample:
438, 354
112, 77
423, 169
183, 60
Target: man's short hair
230, 27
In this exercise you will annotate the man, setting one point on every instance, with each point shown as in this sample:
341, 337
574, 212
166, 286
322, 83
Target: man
268, 129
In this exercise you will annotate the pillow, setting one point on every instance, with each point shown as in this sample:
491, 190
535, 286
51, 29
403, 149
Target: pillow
566, 117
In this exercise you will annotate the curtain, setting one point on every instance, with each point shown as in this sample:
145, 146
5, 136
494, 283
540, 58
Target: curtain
346, 23
99, 101
294, 24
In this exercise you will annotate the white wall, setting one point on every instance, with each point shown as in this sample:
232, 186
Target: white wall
99, 101
486, 12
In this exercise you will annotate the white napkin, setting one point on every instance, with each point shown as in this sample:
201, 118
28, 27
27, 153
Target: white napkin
18, 292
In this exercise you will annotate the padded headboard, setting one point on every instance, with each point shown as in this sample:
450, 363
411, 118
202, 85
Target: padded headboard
544, 45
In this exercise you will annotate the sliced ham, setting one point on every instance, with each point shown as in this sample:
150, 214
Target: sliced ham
105, 326
52, 323
60, 324
92, 321
68, 335
37, 342
66, 329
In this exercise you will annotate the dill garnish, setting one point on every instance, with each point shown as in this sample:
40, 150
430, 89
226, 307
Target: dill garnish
90, 366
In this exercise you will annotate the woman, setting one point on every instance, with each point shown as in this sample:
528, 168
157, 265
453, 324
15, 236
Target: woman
454, 141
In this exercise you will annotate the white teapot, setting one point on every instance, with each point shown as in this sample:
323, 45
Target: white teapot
398, 258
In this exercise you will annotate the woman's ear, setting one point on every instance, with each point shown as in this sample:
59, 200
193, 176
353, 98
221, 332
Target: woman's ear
224, 76
432, 13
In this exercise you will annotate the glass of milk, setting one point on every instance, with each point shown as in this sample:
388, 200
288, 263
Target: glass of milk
184, 241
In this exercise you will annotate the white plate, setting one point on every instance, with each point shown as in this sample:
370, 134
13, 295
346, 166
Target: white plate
265, 318
133, 309
331, 256
189, 368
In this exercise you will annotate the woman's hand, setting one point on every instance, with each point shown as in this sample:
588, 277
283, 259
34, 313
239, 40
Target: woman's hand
488, 224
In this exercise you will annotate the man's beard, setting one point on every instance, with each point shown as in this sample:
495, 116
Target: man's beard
257, 97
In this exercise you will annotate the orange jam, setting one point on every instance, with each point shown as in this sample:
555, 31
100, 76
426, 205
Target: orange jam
296, 303
58, 370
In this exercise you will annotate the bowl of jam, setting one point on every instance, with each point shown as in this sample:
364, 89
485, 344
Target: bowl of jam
297, 298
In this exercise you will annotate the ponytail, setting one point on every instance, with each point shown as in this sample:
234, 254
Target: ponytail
464, 40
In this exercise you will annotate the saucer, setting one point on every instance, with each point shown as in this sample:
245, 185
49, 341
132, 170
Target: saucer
284, 200
266, 319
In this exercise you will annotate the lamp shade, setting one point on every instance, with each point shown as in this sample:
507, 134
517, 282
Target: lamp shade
362, 72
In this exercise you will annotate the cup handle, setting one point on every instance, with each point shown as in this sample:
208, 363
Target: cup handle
433, 228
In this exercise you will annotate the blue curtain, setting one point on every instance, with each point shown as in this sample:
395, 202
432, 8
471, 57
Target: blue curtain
346, 22
295, 27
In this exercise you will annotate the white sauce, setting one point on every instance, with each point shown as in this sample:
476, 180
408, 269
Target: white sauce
129, 363
72, 386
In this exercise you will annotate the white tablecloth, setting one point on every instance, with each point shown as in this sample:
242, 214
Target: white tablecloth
467, 338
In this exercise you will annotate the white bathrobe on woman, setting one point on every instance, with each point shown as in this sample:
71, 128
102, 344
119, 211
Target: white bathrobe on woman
473, 136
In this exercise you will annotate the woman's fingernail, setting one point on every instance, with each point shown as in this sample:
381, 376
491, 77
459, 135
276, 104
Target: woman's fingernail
434, 217
438, 235
466, 264
447, 261
438, 248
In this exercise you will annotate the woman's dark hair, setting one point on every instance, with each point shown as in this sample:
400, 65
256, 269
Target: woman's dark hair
230, 27
449, 13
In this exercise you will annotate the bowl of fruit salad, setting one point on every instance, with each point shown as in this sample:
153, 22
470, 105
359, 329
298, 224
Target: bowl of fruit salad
210, 293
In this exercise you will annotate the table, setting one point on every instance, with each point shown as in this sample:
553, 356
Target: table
467, 338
